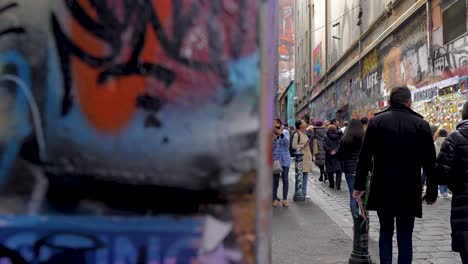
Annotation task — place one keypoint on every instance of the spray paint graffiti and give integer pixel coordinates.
(104, 60)
(13, 29)
(399, 59)
(141, 241)
(452, 59)
(291, 109)
(144, 97)
(317, 62)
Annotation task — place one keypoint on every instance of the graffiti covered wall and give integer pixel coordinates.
(291, 109)
(106, 108)
(400, 59)
(317, 63)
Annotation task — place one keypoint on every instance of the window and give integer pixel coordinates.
(454, 20)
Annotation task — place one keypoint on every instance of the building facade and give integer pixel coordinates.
(303, 79)
(360, 49)
(285, 45)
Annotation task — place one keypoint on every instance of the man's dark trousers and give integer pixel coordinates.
(404, 226)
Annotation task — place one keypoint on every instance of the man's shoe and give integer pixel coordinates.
(285, 203)
(320, 179)
(338, 188)
(331, 186)
(275, 203)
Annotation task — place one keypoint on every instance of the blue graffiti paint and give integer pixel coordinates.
(120, 240)
(21, 111)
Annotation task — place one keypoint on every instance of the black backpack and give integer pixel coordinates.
(291, 150)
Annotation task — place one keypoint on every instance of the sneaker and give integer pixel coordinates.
(307, 197)
(444, 195)
(285, 203)
(275, 203)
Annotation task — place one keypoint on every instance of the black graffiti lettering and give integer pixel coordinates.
(137, 15)
(10, 30)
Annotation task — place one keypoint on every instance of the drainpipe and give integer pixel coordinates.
(429, 36)
(326, 42)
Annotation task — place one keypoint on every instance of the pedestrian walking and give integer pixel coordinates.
(310, 134)
(319, 139)
(452, 169)
(300, 140)
(434, 129)
(332, 163)
(281, 154)
(399, 143)
(439, 138)
(348, 153)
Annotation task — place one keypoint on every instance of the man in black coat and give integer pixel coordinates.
(399, 143)
(452, 168)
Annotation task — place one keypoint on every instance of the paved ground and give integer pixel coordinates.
(431, 238)
(304, 234)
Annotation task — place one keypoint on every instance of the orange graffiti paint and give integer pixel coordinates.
(109, 106)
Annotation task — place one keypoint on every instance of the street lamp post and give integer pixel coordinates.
(360, 252)
(299, 196)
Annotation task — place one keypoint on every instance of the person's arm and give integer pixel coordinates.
(283, 140)
(326, 145)
(429, 159)
(296, 144)
(286, 133)
(365, 160)
(445, 162)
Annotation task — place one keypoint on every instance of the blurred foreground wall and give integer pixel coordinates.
(129, 131)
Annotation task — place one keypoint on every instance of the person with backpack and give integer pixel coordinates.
(452, 170)
(300, 140)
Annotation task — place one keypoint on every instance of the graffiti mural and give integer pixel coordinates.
(400, 59)
(291, 109)
(125, 109)
(317, 63)
(452, 59)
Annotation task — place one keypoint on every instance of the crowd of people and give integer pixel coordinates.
(396, 158)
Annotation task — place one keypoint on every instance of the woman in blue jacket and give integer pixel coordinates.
(281, 154)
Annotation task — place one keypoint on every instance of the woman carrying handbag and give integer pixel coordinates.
(281, 163)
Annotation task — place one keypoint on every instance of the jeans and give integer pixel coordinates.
(443, 189)
(350, 182)
(464, 257)
(404, 226)
(304, 183)
(285, 180)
